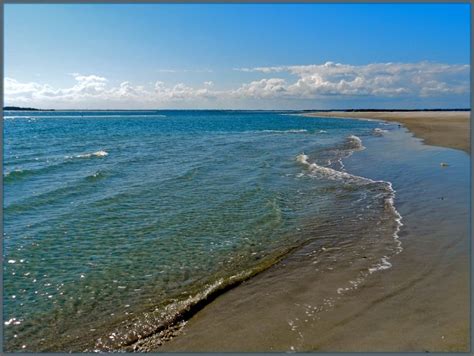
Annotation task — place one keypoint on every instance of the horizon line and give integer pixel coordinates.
(16, 108)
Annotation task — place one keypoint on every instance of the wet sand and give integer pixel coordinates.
(421, 304)
(439, 128)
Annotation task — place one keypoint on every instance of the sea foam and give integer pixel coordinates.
(330, 173)
(354, 143)
(93, 154)
(286, 131)
(378, 131)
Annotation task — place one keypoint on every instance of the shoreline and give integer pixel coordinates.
(437, 128)
(277, 304)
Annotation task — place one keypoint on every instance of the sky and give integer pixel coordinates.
(237, 56)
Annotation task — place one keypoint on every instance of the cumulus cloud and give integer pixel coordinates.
(304, 82)
(94, 88)
(183, 92)
(379, 79)
(265, 88)
(13, 87)
(85, 87)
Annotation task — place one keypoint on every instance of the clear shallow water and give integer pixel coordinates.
(117, 223)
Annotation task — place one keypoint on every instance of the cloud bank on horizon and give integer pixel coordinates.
(427, 84)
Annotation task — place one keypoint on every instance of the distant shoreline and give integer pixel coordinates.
(18, 108)
(450, 128)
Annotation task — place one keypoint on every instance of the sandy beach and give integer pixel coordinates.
(439, 128)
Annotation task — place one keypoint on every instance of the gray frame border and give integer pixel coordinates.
(269, 2)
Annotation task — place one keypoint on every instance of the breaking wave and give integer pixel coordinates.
(378, 131)
(89, 155)
(285, 131)
(354, 143)
(388, 193)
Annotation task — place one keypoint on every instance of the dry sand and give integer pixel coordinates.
(439, 128)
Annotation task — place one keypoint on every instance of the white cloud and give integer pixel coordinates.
(93, 88)
(326, 81)
(183, 92)
(13, 87)
(378, 79)
(265, 88)
(85, 87)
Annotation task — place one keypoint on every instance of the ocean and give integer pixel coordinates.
(119, 225)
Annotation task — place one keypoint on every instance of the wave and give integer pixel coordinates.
(15, 174)
(30, 118)
(384, 264)
(354, 143)
(57, 194)
(328, 172)
(388, 194)
(96, 176)
(390, 202)
(285, 131)
(18, 174)
(89, 155)
(382, 190)
(378, 131)
(351, 144)
(173, 317)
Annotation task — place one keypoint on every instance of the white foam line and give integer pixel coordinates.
(378, 130)
(334, 174)
(357, 141)
(285, 131)
(100, 153)
(384, 261)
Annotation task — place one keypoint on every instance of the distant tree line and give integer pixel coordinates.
(12, 108)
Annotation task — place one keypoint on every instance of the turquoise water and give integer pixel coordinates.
(118, 222)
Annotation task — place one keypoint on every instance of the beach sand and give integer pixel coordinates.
(439, 128)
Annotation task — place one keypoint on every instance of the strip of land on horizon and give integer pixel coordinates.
(439, 128)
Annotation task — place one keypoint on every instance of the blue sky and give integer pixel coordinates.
(237, 56)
